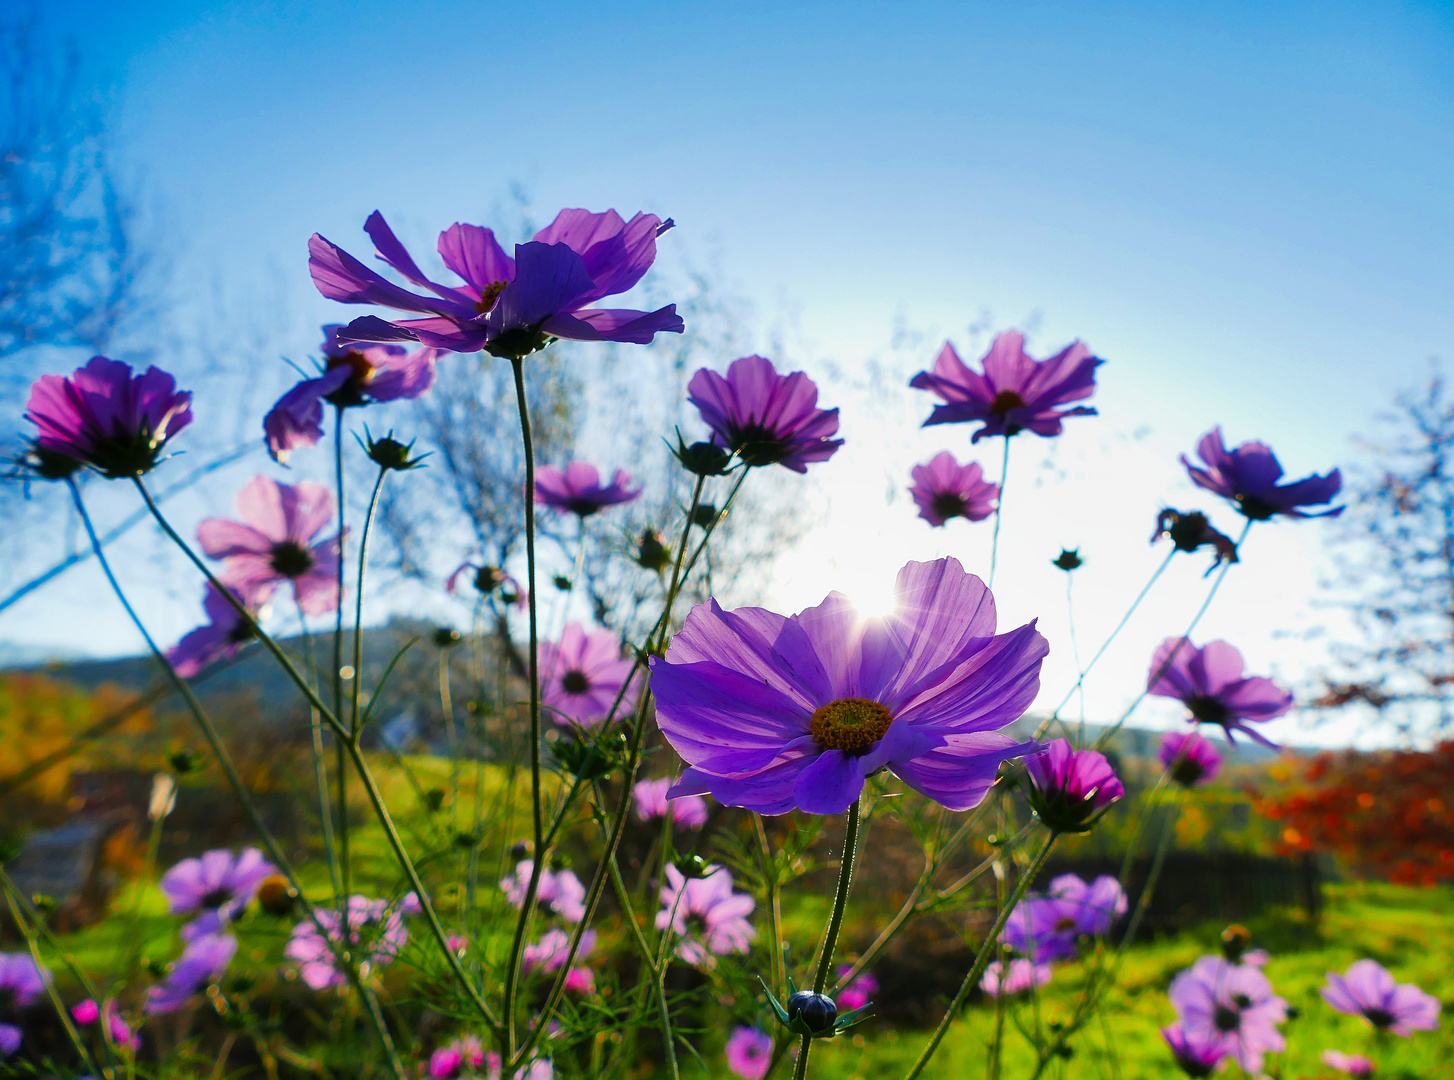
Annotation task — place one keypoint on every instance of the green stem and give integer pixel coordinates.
(999, 508)
(320, 769)
(344, 859)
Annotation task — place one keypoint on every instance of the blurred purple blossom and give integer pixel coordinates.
(1191, 756)
(577, 489)
(1232, 1002)
(217, 884)
(688, 811)
(706, 913)
(944, 489)
(376, 933)
(582, 674)
(219, 638)
(857, 993)
(1248, 475)
(22, 983)
(749, 1052)
(559, 893)
(1352, 1064)
(1198, 1055)
(1022, 974)
(205, 958)
(1210, 682)
(1368, 990)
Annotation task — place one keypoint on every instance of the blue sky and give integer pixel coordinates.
(1243, 208)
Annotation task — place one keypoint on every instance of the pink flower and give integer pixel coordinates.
(689, 811)
(376, 933)
(749, 1052)
(560, 894)
(582, 674)
(1071, 789)
(87, 1012)
(1352, 1064)
(1368, 990)
(449, 1062)
(709, 916)
(225, 632)
(857, 993)
(549, 953)
(945, 489)
(1233, 1003)
(1022, 975)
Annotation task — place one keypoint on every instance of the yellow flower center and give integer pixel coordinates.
(487, 298)
(850, 724)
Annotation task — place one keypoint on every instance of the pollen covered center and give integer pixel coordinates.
(850, 724)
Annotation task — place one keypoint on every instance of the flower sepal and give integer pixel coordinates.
(702, 458)
(589, 757)
(813, 1015)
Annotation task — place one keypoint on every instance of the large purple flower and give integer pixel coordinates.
(582, 674)
(763, 417)
(508, 307)
(1210, 682)
(376, 933)
(1231, 1002)
(1368, 990)
(1248, 477)
(1191, 757)
(1071, 789)
(710, 918)
(218, 885)
(1015, 393)
(945, 489)
(774, 712)
(21, 982)
(1197, 1055)
(205, 958)
(577, 489)
(106, 417)
(226, 631)
(1046, 928)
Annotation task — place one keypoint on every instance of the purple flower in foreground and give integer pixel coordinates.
(21, 983)
(1352, 1064)
(1231, 1002)
(1248, 475)
(749, 1052)
(1015, 393)
(508, 307)
(1197, 1055)
(1046, 928)
(688, 811)
(582, 674)
(277, 541)
(1071, 789)
(559, 893)
(944, 489)
(763, 417)
(857, 993)
(1022, 975)
(1188, 532)
(577, 489)
(775, 712)
(225, 632)
(1191, 757)
(1209, 681)
(106, 417)
(218, 885)
(205, 958)
(1368, 990)
(376, 933)
(706, 913)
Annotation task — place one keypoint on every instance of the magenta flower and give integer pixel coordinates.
(22, 983)
(218, 885)
(1352, 1064)
(1015, 393)
(376, 933)
(578, 489)
(351, 376)
(277, 541)
(688, 811)
(1248, 475)
(945, 489)
(119, 1029)
(749, 1052)
(857, 993)
(582, 674)
(106, 417)
(549, 953)
(87, 1012)
(1368, 990)
(205, 958)
(539, 1069)
(763, 417)
(508, 307)
(559, 893)
(1191, 757)
(1197, 1055)
(225, 632)
(774, 712)
(1071, 789)
(449, 1062)
(1209, 681)
(1022, 975)
(707, 914)
(1231, 1002)
(1046, 928)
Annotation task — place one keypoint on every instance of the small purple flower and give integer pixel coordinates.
(218, 885)
(774, 712)
(106, 417)
(749, 1052)
(1015, 393)
(1248, 475)
(1368, 990)
(688, 811)
(582, 674)
(1071, 788)
(372, 924)
(1191, 757)
(277, 541)
(1022, 975)
(225, 632)
(1209, 681)
(1094, 907)
(1046, 928)
(21, 983)
(763, 417)
(1197, 1055)
(1231, 1002)
(1188, 532)
(707, 914)
(577, 489)
(945, 489)
(508, 307)
(205, 958)
(559, 893)
(449, 1062)
(549, 953)
(1352, 1064)
(858, 993)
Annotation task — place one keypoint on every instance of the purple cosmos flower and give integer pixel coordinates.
(218, 885)
(1197, 1055)
(578, 489)
(1232, 1002)
(549, 953)
(21, 982)
(763, 417)
(1015, 393)
(559, 893)
(1368, 990)
(749, 1052)
(1210, 683)
(277, 541)
(775, 712)
(1046, 928)
(1248, 475)
(1071, 788)
(225, 632)
(857, 993)
(371, 923)
(689, 811)
(1022, 975)
(205, 958)
(945, 489)
(707, 914)
(1191, 757)
(508, 307)
(1352, 1064)
(582, 674)
(103, 415)
(1188, 532)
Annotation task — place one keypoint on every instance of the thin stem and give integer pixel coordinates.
(320, 768)
(1075, 650)
(344, 861)
(363, 559)
(999, 509)
(446, 706)
(774, 899)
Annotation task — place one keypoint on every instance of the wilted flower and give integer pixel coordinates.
(103, 415)
(577, 489)
(1209, 681)
(1071, 789)
(706, 913)
(1022, 975)
(376, 933)
(1015, 393)
(218, 884)
(775, 712)
(559, 893)
(1248, 475)
(689, 811)
(1188, 532)
(944, 489)
(1234, 1003)
(749, 1052)
(1197, 1055)
(763, 417)
(1352, 1064)
(582, 674)
(1368, 990)
(21, 982)
(205, 958)
(858, 993)
(1191, 757)
(1046, 928)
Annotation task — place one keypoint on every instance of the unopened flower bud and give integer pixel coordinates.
(185, 761)
(163, 797)
(276, 896)
(651, 553)
(704, 515)
(40, 463)
(702, 458)
(561, 582)
(390, 453)
(446, 637)
(1235, 940)
(815, 1012)
(1069, 559)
